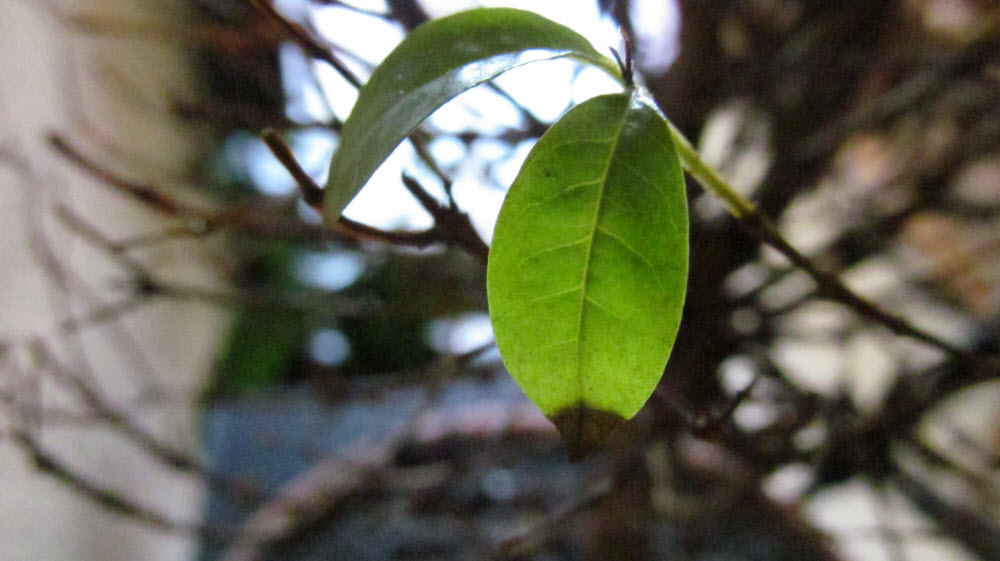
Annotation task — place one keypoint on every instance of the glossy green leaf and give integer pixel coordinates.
(435, 63)
(588, 267)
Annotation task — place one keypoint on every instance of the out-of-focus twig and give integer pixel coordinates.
(829, 285)
(243, 220)
(106, 497)
(451, 224)
(549, 527)
(146, 286)
(311, 45)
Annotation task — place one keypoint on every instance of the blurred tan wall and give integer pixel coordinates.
(108, 95)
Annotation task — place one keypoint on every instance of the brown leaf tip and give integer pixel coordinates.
(584, 429)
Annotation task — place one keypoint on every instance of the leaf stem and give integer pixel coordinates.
(710, 179)
(829, 285)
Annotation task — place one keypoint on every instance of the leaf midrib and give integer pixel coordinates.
(590, 247)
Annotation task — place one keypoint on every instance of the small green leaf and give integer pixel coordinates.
(435, 63)
(588, 268)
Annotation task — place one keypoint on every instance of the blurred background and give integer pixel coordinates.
(192, 367)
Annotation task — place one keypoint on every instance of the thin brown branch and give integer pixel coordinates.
(420, 239)
(312, 194)
(309, 43)
(974, 531)
(305, 499)
(240, 219)
(749, 217)
(320, 490)
(106, 497)
(166, 235)
(105, 412)
(143, 193)
(90, 234)
(109, 414)
(454, 224)
(145, 286)
(64, 285)
(976, 480)
(419, 142)
(100, 315)
(549, 527)
(239, 115)
(831, 287)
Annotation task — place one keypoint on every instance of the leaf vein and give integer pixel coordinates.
(626, 245)
(642, 176)
(551, 249)
(561, 192)
(603, 308)
(609, 141)
(558, 294)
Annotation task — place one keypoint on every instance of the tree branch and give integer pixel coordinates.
(830, 286)
(309, 43)
(451, 225)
